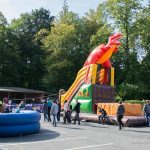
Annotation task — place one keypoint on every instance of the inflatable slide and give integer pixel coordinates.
(88, 74)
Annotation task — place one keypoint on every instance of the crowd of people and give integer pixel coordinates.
(5, 106)
(120, 114)
(54, 108)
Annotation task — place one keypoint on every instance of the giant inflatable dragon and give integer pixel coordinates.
(102, 53)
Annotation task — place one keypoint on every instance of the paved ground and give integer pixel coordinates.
(87, 136)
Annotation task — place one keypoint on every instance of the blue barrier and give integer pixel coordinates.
(23, 123)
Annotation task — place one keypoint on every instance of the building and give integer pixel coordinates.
(16, 93)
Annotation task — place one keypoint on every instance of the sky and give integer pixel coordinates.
(13, 8)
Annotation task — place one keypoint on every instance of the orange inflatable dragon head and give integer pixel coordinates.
(114, 40)
(102, 53)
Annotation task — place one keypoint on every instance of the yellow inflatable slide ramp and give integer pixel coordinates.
(86, 75)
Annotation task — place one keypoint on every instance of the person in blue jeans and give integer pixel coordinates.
(146, 110)
(49, 104)
(102, 116)
(54, 111)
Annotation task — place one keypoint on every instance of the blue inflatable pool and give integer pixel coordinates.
(23, 123)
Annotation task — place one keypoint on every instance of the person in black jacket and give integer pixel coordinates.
(77, 112)
(120, 114)
(45, 110)
(59, 110)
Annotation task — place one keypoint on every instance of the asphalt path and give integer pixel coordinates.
(87, 136)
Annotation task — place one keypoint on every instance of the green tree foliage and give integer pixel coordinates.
(143, 36)
(3, 20)
(31, 54)
(69, 44)
(59, 46)
(124, 15)
(9, 57)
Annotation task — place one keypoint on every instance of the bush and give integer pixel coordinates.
(118, 98)
(135, 101)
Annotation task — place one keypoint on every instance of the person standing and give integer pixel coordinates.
(45, 111)
(77, 112)
(1, 108)
(59, 110)
(5, 107)
(69, 113)
(146, 110)
(66, 112)
(120, 114)
(22, 105)
(54, 111)
(49, 103)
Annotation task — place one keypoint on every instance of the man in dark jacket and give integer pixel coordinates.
(146, 110)
(120, 114)
(59, 110)
(77, 112)
(45, 111)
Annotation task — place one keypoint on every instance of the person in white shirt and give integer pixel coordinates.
(66, 112)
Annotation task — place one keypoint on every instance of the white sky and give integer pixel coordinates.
(13, 8)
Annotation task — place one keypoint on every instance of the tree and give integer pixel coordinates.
(9, 57)
(3, 20)
(59, 46)
(124, 15)
(69, 43)
(31, 54)
(143, 36)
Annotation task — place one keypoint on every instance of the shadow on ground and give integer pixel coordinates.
(42, 135)
(92, 125)
(138, 131)
(70, 126)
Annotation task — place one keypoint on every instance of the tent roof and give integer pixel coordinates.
(20, 90)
